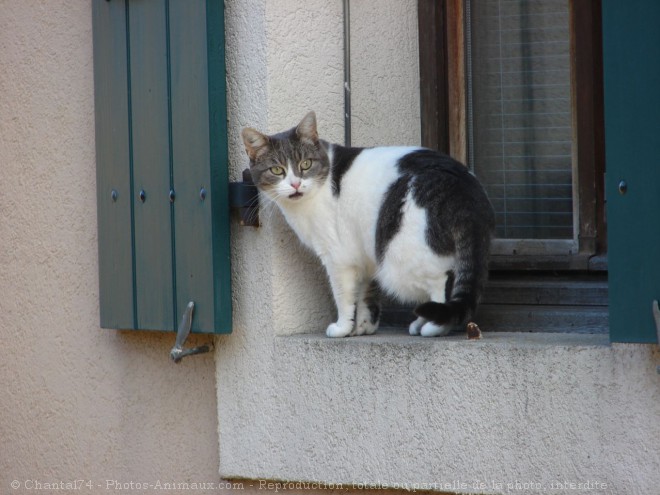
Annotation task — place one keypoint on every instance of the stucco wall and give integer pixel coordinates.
(513, 410)
(519, 413)
(77, 401)
(384, 73)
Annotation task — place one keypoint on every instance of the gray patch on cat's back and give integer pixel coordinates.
(342, 159)
(390, 214)
(457, 207)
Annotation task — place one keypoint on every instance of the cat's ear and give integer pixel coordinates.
(306, 130)
(256, 144)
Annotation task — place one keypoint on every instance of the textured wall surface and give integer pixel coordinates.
(537, 409)
(384, 73)
(77, 401)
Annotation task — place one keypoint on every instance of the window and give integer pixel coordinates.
(161, 152)
(513, 88)
(519, 132)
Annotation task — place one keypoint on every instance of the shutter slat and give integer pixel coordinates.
(151, 164)
(113, 166)
(631, 50)
(191, 148)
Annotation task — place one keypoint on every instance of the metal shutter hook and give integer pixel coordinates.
(178, 352)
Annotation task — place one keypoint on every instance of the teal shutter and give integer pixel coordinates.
(631, 65)
(162, 181)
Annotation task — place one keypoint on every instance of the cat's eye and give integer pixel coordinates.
(306, 164)
(277, 170)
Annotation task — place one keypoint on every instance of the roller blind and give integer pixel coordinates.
(519, 114)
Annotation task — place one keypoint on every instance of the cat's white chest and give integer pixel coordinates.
(314, 221)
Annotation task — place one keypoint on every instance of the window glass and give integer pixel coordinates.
(519, 114)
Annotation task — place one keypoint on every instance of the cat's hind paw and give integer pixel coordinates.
(416, 326)
(430, 329)
(336, 330)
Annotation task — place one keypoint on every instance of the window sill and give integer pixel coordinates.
(532, 302)
(510, 340)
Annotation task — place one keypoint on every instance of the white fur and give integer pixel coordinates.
(341, 230)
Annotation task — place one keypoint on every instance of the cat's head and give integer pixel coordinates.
(290, 166)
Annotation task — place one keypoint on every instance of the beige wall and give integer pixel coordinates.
(77, 401)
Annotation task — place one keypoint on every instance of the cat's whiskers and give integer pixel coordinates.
(253, 215)
(269, 206)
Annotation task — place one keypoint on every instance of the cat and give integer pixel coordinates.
(406, 220)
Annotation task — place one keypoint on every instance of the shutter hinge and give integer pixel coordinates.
(245, 197)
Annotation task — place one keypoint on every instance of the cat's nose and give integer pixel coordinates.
(295, 185)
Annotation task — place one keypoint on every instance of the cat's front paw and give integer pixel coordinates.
(337, 330)
(365, 327)
(366, 319)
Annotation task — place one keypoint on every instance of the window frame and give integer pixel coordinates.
(525, 272)
(443, 110)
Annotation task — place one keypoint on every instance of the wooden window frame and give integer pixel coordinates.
(535, 286)
(443, 102)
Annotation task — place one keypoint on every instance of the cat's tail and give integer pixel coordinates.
(463, 290)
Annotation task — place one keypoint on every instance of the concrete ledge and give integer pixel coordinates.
(400, 337)
(393, 409)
